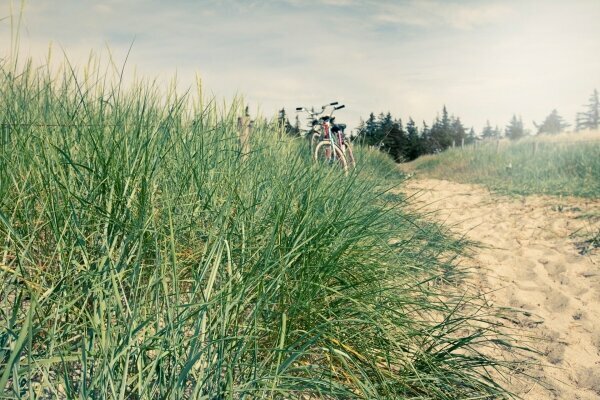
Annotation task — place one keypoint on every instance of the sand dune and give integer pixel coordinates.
(532, 257)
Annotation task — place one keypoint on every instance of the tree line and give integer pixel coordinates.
(406, 142)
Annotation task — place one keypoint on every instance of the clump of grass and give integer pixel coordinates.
(554, 166)
(141, 257)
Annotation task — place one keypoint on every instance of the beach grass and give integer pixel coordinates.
(142, 255)
(561, 165)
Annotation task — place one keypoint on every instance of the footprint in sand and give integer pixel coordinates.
(556, 353)
(596, 339)
(552, 348)
(589, 378)
(525, 269)
(556, 301)
(516, 300)
(501, 256)
(554, 268)
(572, 257)
(563, 279)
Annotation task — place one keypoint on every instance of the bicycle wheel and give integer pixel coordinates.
(314, 139)
(350, 156)
(325, 155)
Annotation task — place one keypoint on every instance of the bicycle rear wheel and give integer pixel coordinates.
(350, 156)
(327, 153)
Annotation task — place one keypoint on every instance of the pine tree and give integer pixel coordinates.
(435, 136)
(497, 132)
(283, 123)
(445, 119)
(441, 132)
(426, 141)
(471, 136)
(361, 129)
(383, 125)
(553, 124)
(282, 117)
(589, 119)
(395, 141)
(389, 135)
(370, 130)
(296, 129)
(514, 130)
(580, 122)
(594, 110)
(488, 132)
(458, 131)
(386, 122)
(414, 147)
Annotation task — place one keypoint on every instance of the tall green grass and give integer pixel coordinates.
(142, 257)
(566, 166)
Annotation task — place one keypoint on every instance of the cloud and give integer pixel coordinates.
(408, 57)
(442, 14)
(343, 3)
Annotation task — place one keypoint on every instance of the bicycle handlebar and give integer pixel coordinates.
(323, 108)
(314, 115)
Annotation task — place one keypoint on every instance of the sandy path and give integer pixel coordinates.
(528, 259)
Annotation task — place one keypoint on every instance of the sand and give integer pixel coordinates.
(531, 256)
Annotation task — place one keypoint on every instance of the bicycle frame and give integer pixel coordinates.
(333, 140)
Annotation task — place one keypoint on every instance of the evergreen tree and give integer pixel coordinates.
(471, 137)
(383, 126)
(553, 124)
(386, 122)
(395, 141)
(414, 147)
(283, 123)
(407, 144)
(589, 119)
(497, 132)
(514, 130)
(441, 132)
(435, 134)
(361, 129)
(458, 131)
(445, 119)
(488, 132)
(580, 121)
(282, 118)
(426, 141)
(370, 130)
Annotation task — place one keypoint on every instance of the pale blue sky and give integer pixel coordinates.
(483, 59)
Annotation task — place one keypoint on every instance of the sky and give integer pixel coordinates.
(483, 60)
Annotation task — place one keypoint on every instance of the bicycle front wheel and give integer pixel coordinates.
(314, 139)
(327, 153)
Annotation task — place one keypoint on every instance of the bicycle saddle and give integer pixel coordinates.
(338, 127)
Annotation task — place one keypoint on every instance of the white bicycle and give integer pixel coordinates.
(329, 144)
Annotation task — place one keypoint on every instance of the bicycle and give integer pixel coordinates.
(328, 142)
(314, 126)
